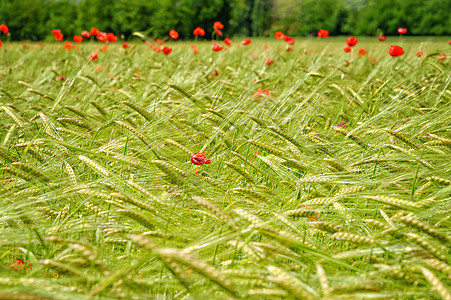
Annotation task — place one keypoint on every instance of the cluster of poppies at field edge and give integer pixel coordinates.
(158, 45)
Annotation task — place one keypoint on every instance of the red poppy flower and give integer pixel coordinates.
(288, 49)
(111, 37)
(4, 28)
(419, 54)
(62, 78)
(174, 34)
(94, 31)
(58, 35)
(289, 40)
(215, 73)
(396, 50)
(382, 38)
(216, 47)
(218, 25)
(402, 30)
(166, 50)
(199, 31)
(228, 41)
(199, 159)
(102, 37)
(159, 41)
(93, 56)
(78, 39)
(323, 33)
(246, 42)
(86, 34)
(351, 41)
(449, 42)
(0, 44)
(441, 57)
(268, 61)
(125, 45)
(279, 35)
(347, 48)
(362, 52)
(68, 45)
(260, 92)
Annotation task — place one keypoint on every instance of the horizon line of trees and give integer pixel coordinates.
(35, 19)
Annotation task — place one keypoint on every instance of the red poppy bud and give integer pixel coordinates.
(215, 73)
(396, 50)
(351, 41)
(279, 35)
(173, 34)
(228, 41)
(216, 47)
(78, 39)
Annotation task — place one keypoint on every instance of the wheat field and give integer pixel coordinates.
(333, 184)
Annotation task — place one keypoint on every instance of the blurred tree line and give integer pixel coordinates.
(34, 19)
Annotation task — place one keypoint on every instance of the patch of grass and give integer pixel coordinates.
(99, 198)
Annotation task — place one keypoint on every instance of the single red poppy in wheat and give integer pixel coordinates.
(125, 45)
(347, 48)
(362, 52)
(174, 34)
(268, 61)
(199, 31)
(323, 33)
(57, 34)
(228, 41)
(216, 47)
(279, 35)
(257, 94)
(68, 45)
(215, 73)
(382, 38)
(402, 30)
(4, 28)
(166, 50)
(93, 56)
(289, 40)
(395, 50)
(351, 41)
(199, 159)
(158, 41)
(94, 31)
(78, 39)
(86, 34)
(419, 53)
(441, 57)
(194, 48)
(246, 42)
(111, 37)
